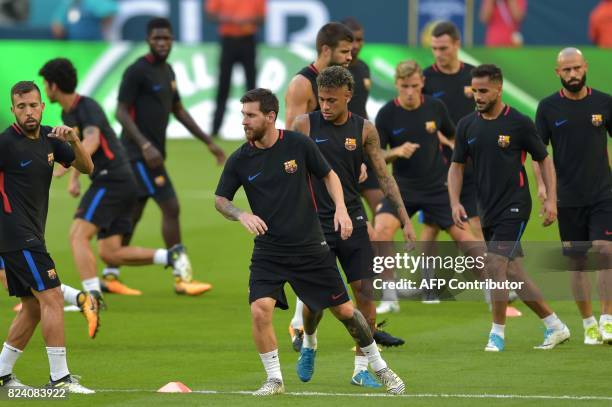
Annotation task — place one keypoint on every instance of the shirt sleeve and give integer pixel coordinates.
(461, 151)
(62, 152)
(315, 162)
(366, 71)
(447, 127)
(531, 142)
(383, 131)
(176, 97)
(542, 124)
(130, 86)
(92, 115)
(229, 182)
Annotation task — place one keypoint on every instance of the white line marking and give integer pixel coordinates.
(105, 62)
(417, 395)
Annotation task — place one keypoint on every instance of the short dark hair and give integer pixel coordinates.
(61, 72)
(23, 87)
(493, 72)
(446, 28)
(331, 34)
(158, 22)
(334, 77)
(268, 102)
(352, 23)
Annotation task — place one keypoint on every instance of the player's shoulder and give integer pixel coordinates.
(551, 99)
(89, 104)
(516, 116)
(388, 107)
(467, 120)
(429, 71)
(467, 67)
(138, 65)
(597, 94)
(435, 103)
(294, 137)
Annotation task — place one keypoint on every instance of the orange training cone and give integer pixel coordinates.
(174, 387)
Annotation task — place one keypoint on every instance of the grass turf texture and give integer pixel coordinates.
(145, 342)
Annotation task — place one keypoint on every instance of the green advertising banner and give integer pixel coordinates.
(529, 74)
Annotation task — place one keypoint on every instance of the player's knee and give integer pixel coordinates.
(171, 209)
(384, 232)
(261, 314)
(343, 311)
(79, 236)
(108, 255)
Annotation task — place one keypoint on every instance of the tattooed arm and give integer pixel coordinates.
(253, 223)
(371, 145)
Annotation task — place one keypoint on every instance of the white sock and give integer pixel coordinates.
(498, 329)
(161, 257)
(552, 322)
(57, 362)
(8, 357)
(114, 271)
(361, 364)
(271, 363)
(92, 284)
(389, 294)
(70, 294)
(310, 341)
(605, 318)
(298, 319)
(373, 355)
(586, 322)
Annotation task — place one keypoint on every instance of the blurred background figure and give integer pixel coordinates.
(13, 11)
(600, 24)
(503, 19)
(84, 20)
(238, 22)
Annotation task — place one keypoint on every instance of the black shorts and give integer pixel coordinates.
(153, 183)
(315, 279)
(436, 213)
(579, 226)
(504, 238)
(29, 269)
(355, 254)
(371, 182)
(109, 207)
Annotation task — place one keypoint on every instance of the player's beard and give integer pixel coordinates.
(256, 134)
(574, 87)
(30, 127)
(486, 108)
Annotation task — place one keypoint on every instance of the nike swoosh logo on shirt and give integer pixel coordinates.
(397, 131)
(470, 141)
(252, 177)
(321, 140)
(25, 163)
(559, 123)
(438, 94)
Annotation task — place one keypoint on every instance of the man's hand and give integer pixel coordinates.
(459, 216)
(409, 235)
(64, 133)
(343, 222)
(253, 223)
(217, 152)
(59, 171)
(542, 192)
(152, 156)
(405, 150)
(363, 175)
(549, 212)
(74, 188)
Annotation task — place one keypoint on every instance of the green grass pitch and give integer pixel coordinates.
(205, 342)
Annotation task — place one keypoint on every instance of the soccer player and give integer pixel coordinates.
(28, 152)
(274, 167)
(497, 138)
(334, 45)
(449, 80)
(370, 188)
(104, 210)
(345, 140)
(577, 120)
(147, 96)
(409, 125)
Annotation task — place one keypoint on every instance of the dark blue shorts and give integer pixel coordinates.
(29, 269)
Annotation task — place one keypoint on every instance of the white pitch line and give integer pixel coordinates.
(417, 395)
